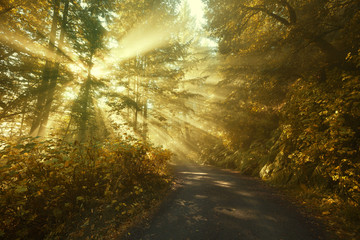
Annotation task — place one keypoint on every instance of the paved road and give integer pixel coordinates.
(217, 204)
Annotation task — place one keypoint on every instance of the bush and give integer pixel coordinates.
(49, 188)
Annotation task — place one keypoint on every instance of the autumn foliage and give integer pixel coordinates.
(54, 189)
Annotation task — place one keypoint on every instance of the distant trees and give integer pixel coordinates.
(151, 78)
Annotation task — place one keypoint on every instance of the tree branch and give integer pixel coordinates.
(6, 10)
(269, 13)
(291, 10)
(2, 104)
(3, 115)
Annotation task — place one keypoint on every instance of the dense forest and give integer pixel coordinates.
(89, 89)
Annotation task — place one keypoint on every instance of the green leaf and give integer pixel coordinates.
(57, 212)
(80, 198)
(21, 189)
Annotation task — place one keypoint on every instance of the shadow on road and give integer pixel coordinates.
(210, 203)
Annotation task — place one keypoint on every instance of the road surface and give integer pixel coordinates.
(211, 203)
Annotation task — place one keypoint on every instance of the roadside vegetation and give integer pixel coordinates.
(57, 190)
(290, 104)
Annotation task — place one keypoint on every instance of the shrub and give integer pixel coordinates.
(49, 187)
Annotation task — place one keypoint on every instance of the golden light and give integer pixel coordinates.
(147, 36)
(76, 68)
(99, 71)
(69, 94)
(26, 45)
(120, 89)
(197, 10)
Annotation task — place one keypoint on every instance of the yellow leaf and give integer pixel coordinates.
(86, 223)
(80, 198)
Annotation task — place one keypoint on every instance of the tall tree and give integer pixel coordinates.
(55, 72)
(22, 54)
(47, 72)
(87, 33)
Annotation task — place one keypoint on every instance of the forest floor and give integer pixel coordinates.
(210, 203)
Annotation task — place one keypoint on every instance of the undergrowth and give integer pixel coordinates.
(58, 190)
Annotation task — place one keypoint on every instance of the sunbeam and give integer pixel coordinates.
(145, 37)
(26, 45)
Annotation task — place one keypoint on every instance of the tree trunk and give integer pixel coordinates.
(136, 82)
(128, 94)
(84, 109)
(22, 120)
(146, 90)
(44, 87)
(145, 123)
(54, 75)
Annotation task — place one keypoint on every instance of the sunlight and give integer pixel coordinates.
(195, 123)
(223, 184)
(101, 103)
(76, 68)
(113, 85)
(237, 213)
(141, 39)
(25, 45)
(99, 71)
(8, 129)
(208, 42)
(244, 194)
(120, 89)
(194, 173)
(69, 94)
(149, 35)
(197, 10)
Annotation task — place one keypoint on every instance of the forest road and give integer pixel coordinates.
(211, 203)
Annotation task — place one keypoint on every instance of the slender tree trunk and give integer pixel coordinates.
(67, 128)
(85, 105)
(22, 119)
(42, 90)
(23, 113)
(145, 123)
(84, 111)
(128, 94)
(54, 75)
(40, 100)
(136, 107)
(146, 90)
